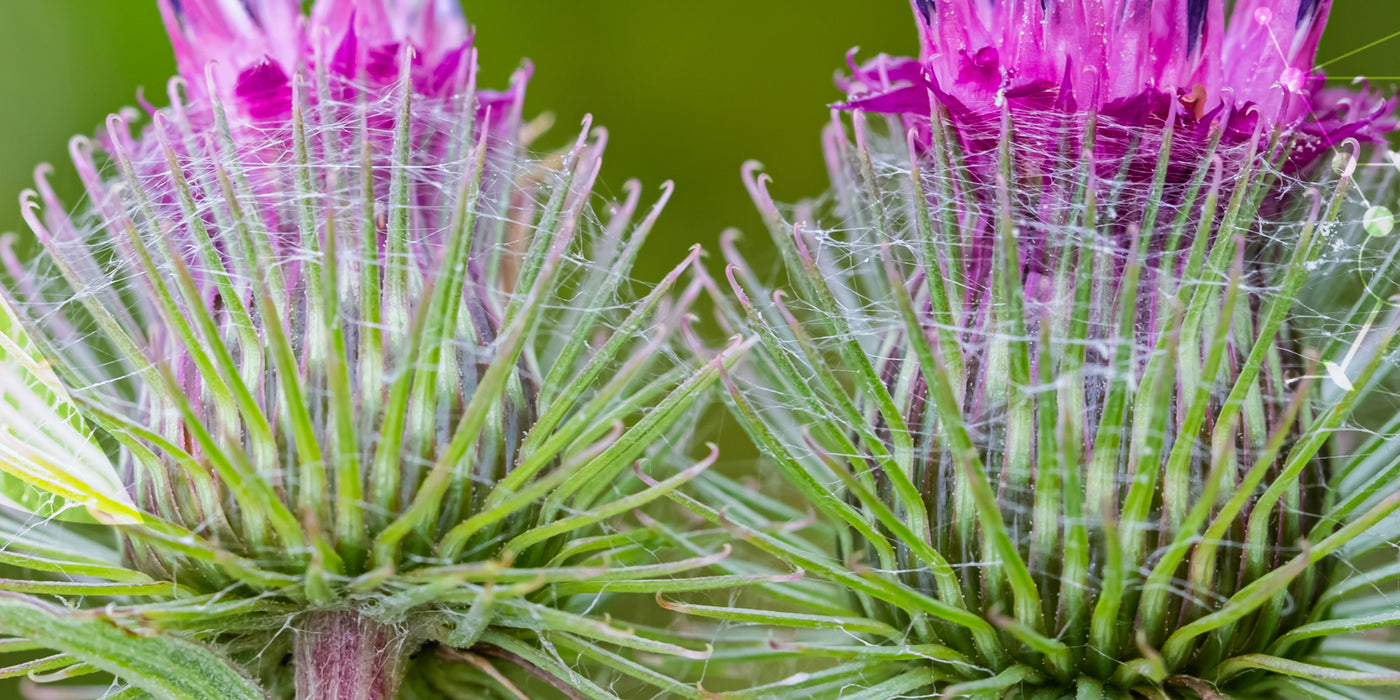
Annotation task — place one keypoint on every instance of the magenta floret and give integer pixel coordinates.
(252, 49)
(1133, 62)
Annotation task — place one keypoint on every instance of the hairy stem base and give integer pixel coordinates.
(342, 655)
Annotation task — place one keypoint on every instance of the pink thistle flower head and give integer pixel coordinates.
(325, 331)
(252, 49)
(1132, 61)
(1066, 346)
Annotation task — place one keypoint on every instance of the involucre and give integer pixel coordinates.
(1071, 360)
(348, 384)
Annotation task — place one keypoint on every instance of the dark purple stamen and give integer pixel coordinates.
(1306, 9)
(1195, 23)
(987, 55)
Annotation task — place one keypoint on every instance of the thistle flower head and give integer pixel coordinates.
(334, 353)
(1068, 370)
(253, 49)
(1246, 65)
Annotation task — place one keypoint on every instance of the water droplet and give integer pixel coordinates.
(1379, 221)
(1292, 79)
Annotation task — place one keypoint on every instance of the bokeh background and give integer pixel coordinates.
(689, 90)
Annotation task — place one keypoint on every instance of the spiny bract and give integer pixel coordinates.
(1075, 377)
(347, 372)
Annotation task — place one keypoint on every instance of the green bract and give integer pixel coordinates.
(362, 385)
(1079, 383)
(1070, 432)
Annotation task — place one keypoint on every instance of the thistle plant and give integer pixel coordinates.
(331, 388)
(1072, 366)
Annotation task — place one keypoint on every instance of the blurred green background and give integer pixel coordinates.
(688, 90)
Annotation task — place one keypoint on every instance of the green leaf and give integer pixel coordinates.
(1309, 689)
(800, 620)
(158, 589)
(166, 666)
(46, 448)
(642, 672)
(47, 663)
(548, 664)
(1328, 628)
(1006, 679)
(1298, 669)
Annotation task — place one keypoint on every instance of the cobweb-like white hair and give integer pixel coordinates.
(376, 366)
(1071, 421)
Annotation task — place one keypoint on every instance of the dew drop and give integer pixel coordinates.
(1292, 79)
(1379, 221)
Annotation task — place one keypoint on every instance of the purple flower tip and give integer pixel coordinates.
(1135, 61)
(254, 47)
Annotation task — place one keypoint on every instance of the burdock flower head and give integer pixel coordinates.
(1073, 376)
(357, 380)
